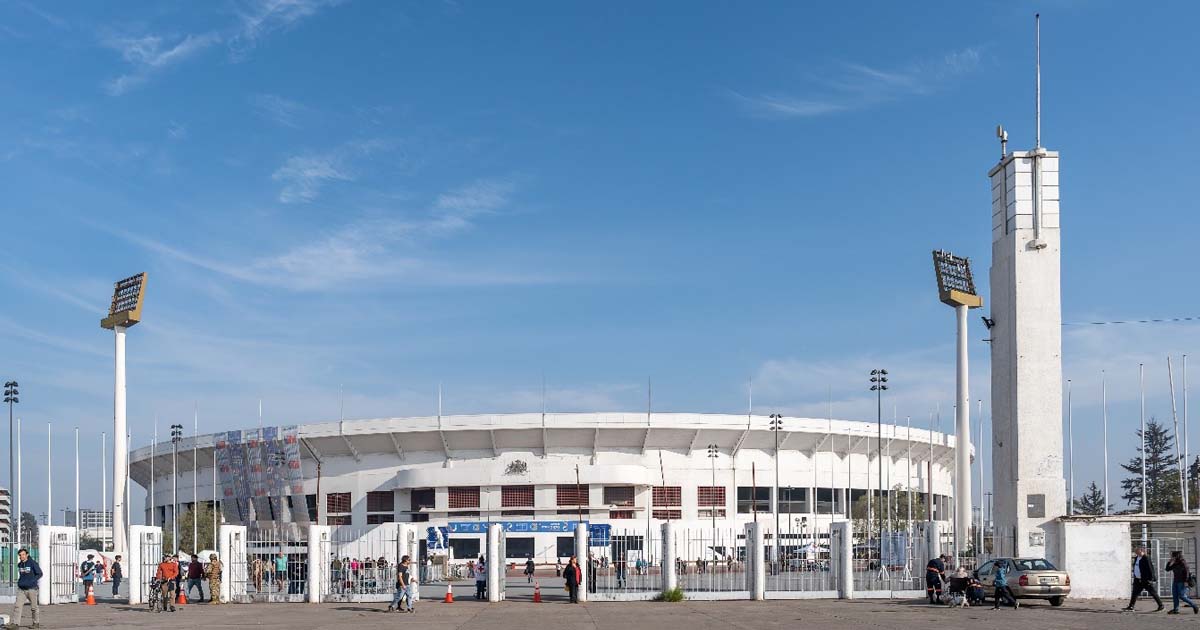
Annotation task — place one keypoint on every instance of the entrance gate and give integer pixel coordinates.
(64, 554)
(151, 553)
(274, 568)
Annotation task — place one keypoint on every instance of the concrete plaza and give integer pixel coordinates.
(691, 615)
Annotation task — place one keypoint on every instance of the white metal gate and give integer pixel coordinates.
(275, 567)
(63, 556)
(362, 563)
(151, 554)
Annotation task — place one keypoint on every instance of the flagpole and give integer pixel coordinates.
(1104, 409)
(104, 486)
(1070, 451)
(77, 477)
(195, 479)
(49, 480)
(153, 520)
(1142, 447)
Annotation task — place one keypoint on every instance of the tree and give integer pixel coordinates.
(87, 542)
(29, 529)
(1092, 501)
(899, 510)
(1162, 474)
(204, 523)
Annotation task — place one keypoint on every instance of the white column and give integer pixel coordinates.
(495, 564)
(962, 446)
(145, 550)
(234, 563)
(670, 578)
(581, 550)
(120, 449)
(58, 556)
(318, 561)
(841, 555)
(756, 568)
(44, 537)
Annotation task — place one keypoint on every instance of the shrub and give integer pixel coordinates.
(673, 595)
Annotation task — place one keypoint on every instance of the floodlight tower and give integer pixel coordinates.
(1026, 296)
(125, 311)
(956, 287)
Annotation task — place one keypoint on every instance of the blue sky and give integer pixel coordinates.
(385, 196)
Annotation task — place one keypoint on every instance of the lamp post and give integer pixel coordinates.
(14, 539)
(176, 438)
(776, 427)
(124, 311)
(712, 458)
(878, 385)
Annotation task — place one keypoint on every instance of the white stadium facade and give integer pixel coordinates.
(539, 474)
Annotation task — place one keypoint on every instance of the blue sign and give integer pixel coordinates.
(437, 537)
(598, 534)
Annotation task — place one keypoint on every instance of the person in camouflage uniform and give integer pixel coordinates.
(214, 578)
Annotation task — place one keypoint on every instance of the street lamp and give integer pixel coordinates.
(879, 385)
(10, 397)
(124, 311)
(776, 427)
(712, 458)
(176, 438)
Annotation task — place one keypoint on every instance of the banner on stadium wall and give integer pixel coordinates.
(599, 534)
(257, 471)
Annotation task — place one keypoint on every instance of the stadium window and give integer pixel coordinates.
(462, 497)
(421, 499)
(793, 501)
(516, 496)
(337, 503)
(829, 501)
(708, 513)
(340, 519)
(619, 496)
(710, 496)
(614, 514)
(464, 547)
(376, 519)
(667, 515)
(667, 496)
(310, 501)
(381, 501)
(565, 547)
(760, 503)
(572, 494)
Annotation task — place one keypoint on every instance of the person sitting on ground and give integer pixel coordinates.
(958, 587)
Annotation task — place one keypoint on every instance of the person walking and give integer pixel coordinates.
(1000, 583)
(167, 577)
(621, 568)
(1180, 576)
(1143, 580)
(591, 569)
(118, 574)
(404, 587)
(195, 577)
(256, 571)
(214, 578)
(27, 584)
(529, 568)
(87, 572)
(558, 567)
(281, 570)
(573, 575)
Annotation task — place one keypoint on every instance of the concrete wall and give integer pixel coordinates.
(1096, 554)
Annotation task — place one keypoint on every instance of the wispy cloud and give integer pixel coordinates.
(258, 18)
(150, 54)
(277, 109)
(852, 86)
(303, 176)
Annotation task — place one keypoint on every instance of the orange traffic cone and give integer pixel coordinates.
(91, 597)
(182, 599)
(449, 595)
(537, 592)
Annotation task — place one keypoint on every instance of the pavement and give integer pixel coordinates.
(689, 615)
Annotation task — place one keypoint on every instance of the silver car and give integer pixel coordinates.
(1029, 578)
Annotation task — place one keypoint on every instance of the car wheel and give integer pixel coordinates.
(1056, 601)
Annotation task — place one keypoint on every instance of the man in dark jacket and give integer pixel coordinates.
(118, 573)
(195, 577)
(1143, 580)
(933, 579)
(27, 584)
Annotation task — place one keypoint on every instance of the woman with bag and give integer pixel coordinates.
(573, 575)
(1181, 576)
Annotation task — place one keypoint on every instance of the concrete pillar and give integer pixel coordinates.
(495, 563)
(231, 545)
(145, 551)
(756, 567)
(58, 555)
(318, 561)
(841, 547)
(581, 550)
(670, 576)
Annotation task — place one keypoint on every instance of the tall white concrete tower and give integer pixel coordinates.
(1026, 333)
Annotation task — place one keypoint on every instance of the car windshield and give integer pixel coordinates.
(1039, 564)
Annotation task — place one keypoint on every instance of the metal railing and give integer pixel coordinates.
(275, 568)
(804, 563)
(710, 560)
(362, 563)
(629, 563)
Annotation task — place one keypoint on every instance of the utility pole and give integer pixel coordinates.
(176, 438)
(776, 427)
(878, 385)
(11, 398)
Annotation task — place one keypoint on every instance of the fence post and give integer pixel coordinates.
(756, 566)
(670, 576)
(585, 562)
(841, 554)
(231, 545)
(135, 561)
(318, 561)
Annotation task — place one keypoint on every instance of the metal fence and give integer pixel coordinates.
(151, 549)
(64, 553)
(887, 563)
(710, 560)
(1159, 549)
(630, 563)
(362, 563)
(803, 563)
(275, 567)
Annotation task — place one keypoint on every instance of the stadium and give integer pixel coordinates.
(540, 474)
